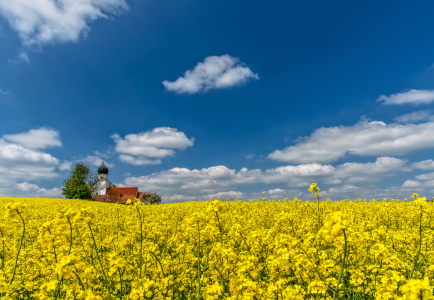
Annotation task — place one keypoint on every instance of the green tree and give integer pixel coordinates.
(111, 185)
(80, 184)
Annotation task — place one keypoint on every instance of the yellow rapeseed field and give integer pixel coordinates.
(286, 249)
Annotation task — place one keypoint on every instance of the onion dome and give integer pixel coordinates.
(102, 169)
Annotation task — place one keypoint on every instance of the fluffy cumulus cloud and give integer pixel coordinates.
(374, 138)
(427, 176)
(18, 163)
(40, 22)
(423, 181)
(415, 117)
(352, 192)
(25, 187)
(363, 172)
(194, 184)
(149, 147)
(36, 138)
(65, 165)
(33, 190)
(23, 160)
(411, 184)
(50, 193)
(424, 165)
(213, 73)
(408, 97)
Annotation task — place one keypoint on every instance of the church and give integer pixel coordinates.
(113, 195)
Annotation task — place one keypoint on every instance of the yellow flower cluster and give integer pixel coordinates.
(314, 189)
(261, 249)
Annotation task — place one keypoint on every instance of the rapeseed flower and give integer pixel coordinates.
(288, 249)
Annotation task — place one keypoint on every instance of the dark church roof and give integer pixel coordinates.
(102, 169)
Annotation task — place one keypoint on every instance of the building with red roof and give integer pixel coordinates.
(113, 195)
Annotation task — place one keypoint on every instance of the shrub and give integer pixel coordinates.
(150, 198)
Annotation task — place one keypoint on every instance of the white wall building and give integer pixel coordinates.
(103, 182)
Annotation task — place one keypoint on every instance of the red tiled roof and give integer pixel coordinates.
(126, 197)
(139, 194)
(125, 190)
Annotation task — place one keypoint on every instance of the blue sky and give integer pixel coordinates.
(201, 99)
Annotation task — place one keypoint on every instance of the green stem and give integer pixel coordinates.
(19, 249)
(198, 262)
(120, 279)
(159, 262)
(420, 246)
(99, 260)
(70, 242)
(3, 254)
(342, 267)
(221, 242)
(316, 269)
(141, 241)
(79, 281)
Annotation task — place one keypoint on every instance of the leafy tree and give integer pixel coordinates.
(150, 198)
(81, 183)
(111, 185)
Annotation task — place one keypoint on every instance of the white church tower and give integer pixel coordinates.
(103, 182)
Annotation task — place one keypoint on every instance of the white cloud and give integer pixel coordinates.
(41, 22)
(177, 198)
(138, 160)
(408, 97)
(36, 138)
(65, 165)
(96, 161)
(136, 149)
(220, 195)
(333, 181)
(411, 184)
(50, 193)
(361, 172)
(415, 117)
(250, 156)
(213, 73)
(17, 161)
(341, 190)
(107, 154)
(424, 165)
(427, 176)
(276, 191)
(208, 181)
(25, 187)
(223, 195)
(429, 183)
(364, 138)
(33, 190)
